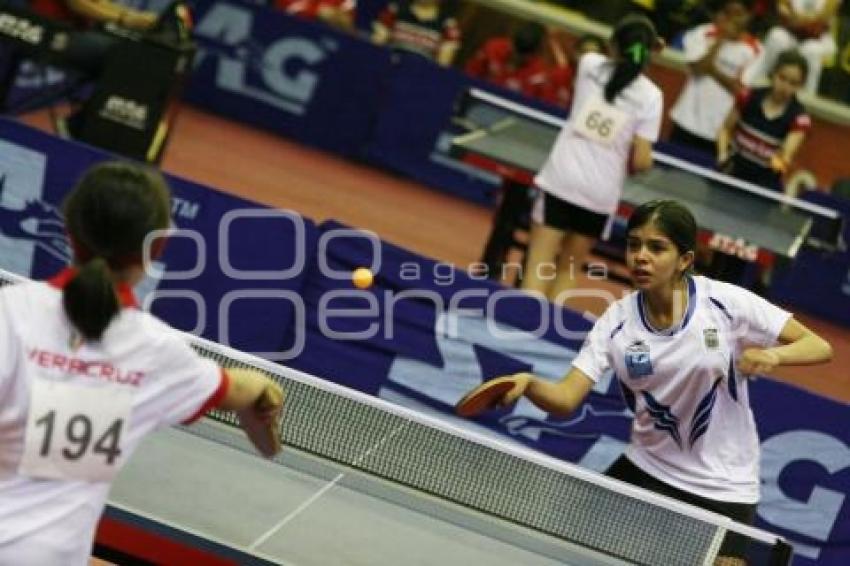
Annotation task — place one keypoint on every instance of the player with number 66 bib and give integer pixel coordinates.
(87, 375)
(616, 117)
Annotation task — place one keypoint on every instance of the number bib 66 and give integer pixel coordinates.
(75, 432)
(600, 122)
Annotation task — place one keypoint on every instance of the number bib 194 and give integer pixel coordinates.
(600, 122)
(75, 432)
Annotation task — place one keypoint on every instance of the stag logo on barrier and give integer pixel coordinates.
(27, 222)
(815, 515)
(280, 73)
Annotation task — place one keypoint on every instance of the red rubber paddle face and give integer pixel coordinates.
(482, 398)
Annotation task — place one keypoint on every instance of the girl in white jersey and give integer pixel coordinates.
(616, 116)
(681, 347)
(86, 375)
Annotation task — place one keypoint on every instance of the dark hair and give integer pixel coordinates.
(108, 215)
(791, 57)
(673, 219)
(634, 37)
(528, 37)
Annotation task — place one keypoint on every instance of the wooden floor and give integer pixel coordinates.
(276, 172)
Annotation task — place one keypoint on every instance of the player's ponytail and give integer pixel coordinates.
(634, 38)
(108, 215)
(90, 300)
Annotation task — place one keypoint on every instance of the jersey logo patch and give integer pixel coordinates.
(638, 361)
(712, 341)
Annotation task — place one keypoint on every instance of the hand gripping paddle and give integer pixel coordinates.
(483, 397)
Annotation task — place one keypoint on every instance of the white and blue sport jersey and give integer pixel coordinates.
(693, 427)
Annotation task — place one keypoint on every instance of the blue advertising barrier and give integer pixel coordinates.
(805, 469)
(301, 79)
(232, 271)
(819, 282)
(331, 90)
(417, 107)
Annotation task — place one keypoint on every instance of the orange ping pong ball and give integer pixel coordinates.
(362, 278)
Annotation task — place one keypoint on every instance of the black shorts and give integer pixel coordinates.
(562, 215)
(734, 544)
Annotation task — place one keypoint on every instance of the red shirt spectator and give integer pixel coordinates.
(317, 9)
(500, 62)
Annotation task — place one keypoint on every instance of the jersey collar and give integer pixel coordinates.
(126, 297)
(644, 318)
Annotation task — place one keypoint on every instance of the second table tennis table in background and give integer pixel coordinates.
(734, 217)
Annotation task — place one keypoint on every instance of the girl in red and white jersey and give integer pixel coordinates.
(616, 116)
(87, 374)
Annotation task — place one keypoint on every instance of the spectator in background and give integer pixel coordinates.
(805, 25)
(338, 13)
(718, 54)
(424, 27)
(767, 126)
(516, 63)
(758, 141)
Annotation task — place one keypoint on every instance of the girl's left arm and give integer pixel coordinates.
(800, 346)
(791, 145)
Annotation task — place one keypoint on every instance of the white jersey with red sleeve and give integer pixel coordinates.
(587, 164)
(73, 412)
(693, 427)
(703, 103)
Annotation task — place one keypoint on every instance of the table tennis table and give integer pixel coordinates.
(735, 217)
(199, 495)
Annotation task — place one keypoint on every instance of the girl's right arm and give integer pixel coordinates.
(556, 398)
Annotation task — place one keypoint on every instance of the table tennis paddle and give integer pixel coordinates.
(264, 433)
(483, 397)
